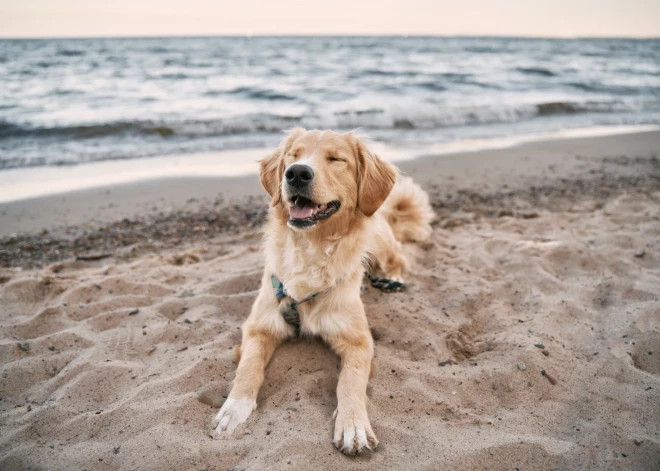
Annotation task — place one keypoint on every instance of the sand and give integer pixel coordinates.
(554, 244)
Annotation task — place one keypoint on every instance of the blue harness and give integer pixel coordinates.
(290, 313)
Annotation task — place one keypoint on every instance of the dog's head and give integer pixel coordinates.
(317, 176)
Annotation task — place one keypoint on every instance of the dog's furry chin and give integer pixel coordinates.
(302, 225)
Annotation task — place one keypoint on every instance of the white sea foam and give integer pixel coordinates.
(65, 102)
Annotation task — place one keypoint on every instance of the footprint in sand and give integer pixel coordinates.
(48, 321)
(29, 291)
(646, 356)
(122, 343)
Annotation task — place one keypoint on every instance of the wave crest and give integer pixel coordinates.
(427, 117)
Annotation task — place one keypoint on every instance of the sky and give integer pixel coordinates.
(553, 18)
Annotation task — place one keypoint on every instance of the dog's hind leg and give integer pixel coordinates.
(387, 252)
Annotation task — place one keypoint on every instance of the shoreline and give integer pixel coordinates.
(485, 170)
(18, 184)
(150, 216)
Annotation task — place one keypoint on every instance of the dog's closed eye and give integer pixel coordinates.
(335, 159)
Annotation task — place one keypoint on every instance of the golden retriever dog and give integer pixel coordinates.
(336, 209)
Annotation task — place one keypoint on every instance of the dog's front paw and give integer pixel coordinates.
(353, 434)
(233, 413)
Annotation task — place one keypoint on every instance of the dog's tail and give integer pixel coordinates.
(408, 211)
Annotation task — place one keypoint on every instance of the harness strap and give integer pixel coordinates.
(292, 316)
(290, 313)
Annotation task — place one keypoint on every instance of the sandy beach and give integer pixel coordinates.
(528, 338)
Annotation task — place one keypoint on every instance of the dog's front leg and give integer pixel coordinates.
(257, 349)
(353, 433)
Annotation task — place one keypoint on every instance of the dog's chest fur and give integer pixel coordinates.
(306, 267)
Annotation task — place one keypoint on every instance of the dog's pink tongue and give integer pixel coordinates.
(300, 212)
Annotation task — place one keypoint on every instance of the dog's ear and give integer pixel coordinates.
(271, 168)
(375, 179)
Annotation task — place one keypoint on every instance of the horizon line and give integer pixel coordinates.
(333, 35)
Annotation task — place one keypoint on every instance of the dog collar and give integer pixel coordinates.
(289, 311)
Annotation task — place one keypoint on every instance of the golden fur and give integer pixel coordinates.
(329, 258)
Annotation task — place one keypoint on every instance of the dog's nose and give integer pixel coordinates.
(299, 176)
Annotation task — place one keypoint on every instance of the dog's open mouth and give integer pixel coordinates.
(304, 212)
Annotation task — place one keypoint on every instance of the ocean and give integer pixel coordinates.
(69, 101)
